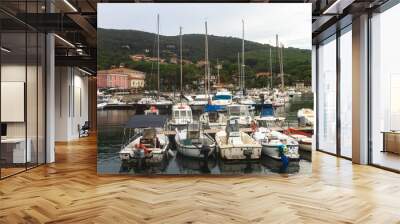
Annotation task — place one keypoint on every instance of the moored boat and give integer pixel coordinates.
(181, 115)
(148, 141)
(193, 142)
(234, 144)
(305, 117)
(277, 145)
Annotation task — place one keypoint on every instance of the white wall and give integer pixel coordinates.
(71, 102)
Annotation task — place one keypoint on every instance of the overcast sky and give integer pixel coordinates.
(292, 22)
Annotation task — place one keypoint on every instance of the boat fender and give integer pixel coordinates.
(284, 158)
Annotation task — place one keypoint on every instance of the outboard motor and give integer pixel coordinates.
(205, 150)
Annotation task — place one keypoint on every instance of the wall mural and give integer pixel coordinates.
(204, 88)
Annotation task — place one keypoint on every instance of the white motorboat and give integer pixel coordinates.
(234, 144)
(213, 119)
(241, 113)
(101, 105)
(161, 101)
(277, 145)
(222, 98)
(267, 117)
(148, 142)
(147, 101)
(305, 117)
(193, 142)
(249, 102)
(181, 115)
(199, 102)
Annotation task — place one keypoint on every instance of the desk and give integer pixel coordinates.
(391, 141)
(13, 150)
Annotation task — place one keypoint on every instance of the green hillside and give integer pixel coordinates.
(115, 46)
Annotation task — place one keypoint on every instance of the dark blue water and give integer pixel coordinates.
(110, 131)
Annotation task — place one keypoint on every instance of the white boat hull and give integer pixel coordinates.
(248, 149)
(130, 153)
(273, 152)
(194, 151)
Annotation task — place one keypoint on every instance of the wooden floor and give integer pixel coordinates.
(70, 191)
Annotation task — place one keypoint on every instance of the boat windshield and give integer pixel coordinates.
(237, 111)
(233, 126)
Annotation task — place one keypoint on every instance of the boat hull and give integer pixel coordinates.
(240, 152)
(272, 151)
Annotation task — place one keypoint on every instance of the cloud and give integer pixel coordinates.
(292, 22)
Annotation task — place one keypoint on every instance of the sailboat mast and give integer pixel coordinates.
(282, 74)
(180, 35)
(158, 55)
(239, 71)
(270, 64)
(206, 75)
(218, 67)
(243, 73)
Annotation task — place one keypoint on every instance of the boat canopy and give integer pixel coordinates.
(267, 110)
(146, 121)
(213, 108)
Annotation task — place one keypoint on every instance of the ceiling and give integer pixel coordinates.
(75, 21)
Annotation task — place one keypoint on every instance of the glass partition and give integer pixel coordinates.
(22, 88)
(385, 89)
(327, 95)
(346, 93)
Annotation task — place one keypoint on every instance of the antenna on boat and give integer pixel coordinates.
(158, 55)
(180, 37)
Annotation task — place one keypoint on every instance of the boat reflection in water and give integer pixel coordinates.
(277, 166)
(143, 166)
(187, 165)
(240, 166)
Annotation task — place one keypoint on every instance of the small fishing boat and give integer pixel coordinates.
(198, 102)
(181, 115)
(222, 98)
(267, 117)
(305, 117)
(234, 144)
(193, 142)
(277, 145)
(249, 102)
(144, 139)
(212, 118)
(241, 112)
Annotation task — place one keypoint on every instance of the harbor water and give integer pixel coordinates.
(110, 124)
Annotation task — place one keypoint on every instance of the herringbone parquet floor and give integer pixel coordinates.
(70, 191)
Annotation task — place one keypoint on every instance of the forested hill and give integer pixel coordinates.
(115, 47)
